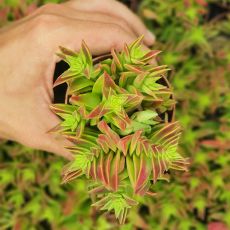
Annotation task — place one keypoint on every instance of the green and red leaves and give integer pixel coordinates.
(142, 120)
(139, 170)
(79, 166)
(105, 129)
(116, 202)
(108, 168)
(80, 65)
(63, 108)
(165, 150)
(71, 119)
(107, 100)
(118, 122)
(114, 171)
(150, 55)
(86, 52)
(80, 85)
(116, 63)
(143, 172)
(87, 100)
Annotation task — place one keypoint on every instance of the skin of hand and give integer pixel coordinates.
(28, 50)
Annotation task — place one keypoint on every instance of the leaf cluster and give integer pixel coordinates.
(117, 116)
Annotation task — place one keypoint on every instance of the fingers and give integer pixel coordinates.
(117, 10)
(56, 144)
(95, 10)
(64, 11)
(52, 142)
(68, 32)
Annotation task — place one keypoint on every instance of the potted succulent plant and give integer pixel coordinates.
(119, 115)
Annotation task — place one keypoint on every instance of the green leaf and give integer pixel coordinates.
(81, 84)
(89, 100)
(63, 108)
(98, 85)
(145, 116)
(130, 170)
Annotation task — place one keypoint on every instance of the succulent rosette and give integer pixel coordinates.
(119, 114)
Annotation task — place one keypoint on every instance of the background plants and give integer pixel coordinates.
(194, 37)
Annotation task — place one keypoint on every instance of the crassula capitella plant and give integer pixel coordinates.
(118, 114)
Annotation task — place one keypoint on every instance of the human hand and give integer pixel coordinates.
(28, 59)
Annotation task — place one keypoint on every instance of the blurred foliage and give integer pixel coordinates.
(194, 35)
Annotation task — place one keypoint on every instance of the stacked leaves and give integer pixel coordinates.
(119, 115)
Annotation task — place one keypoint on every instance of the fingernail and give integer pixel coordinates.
(150, 37)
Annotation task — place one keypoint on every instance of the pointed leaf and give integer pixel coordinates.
(114, 179)
(130, 170)
(89, 100)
